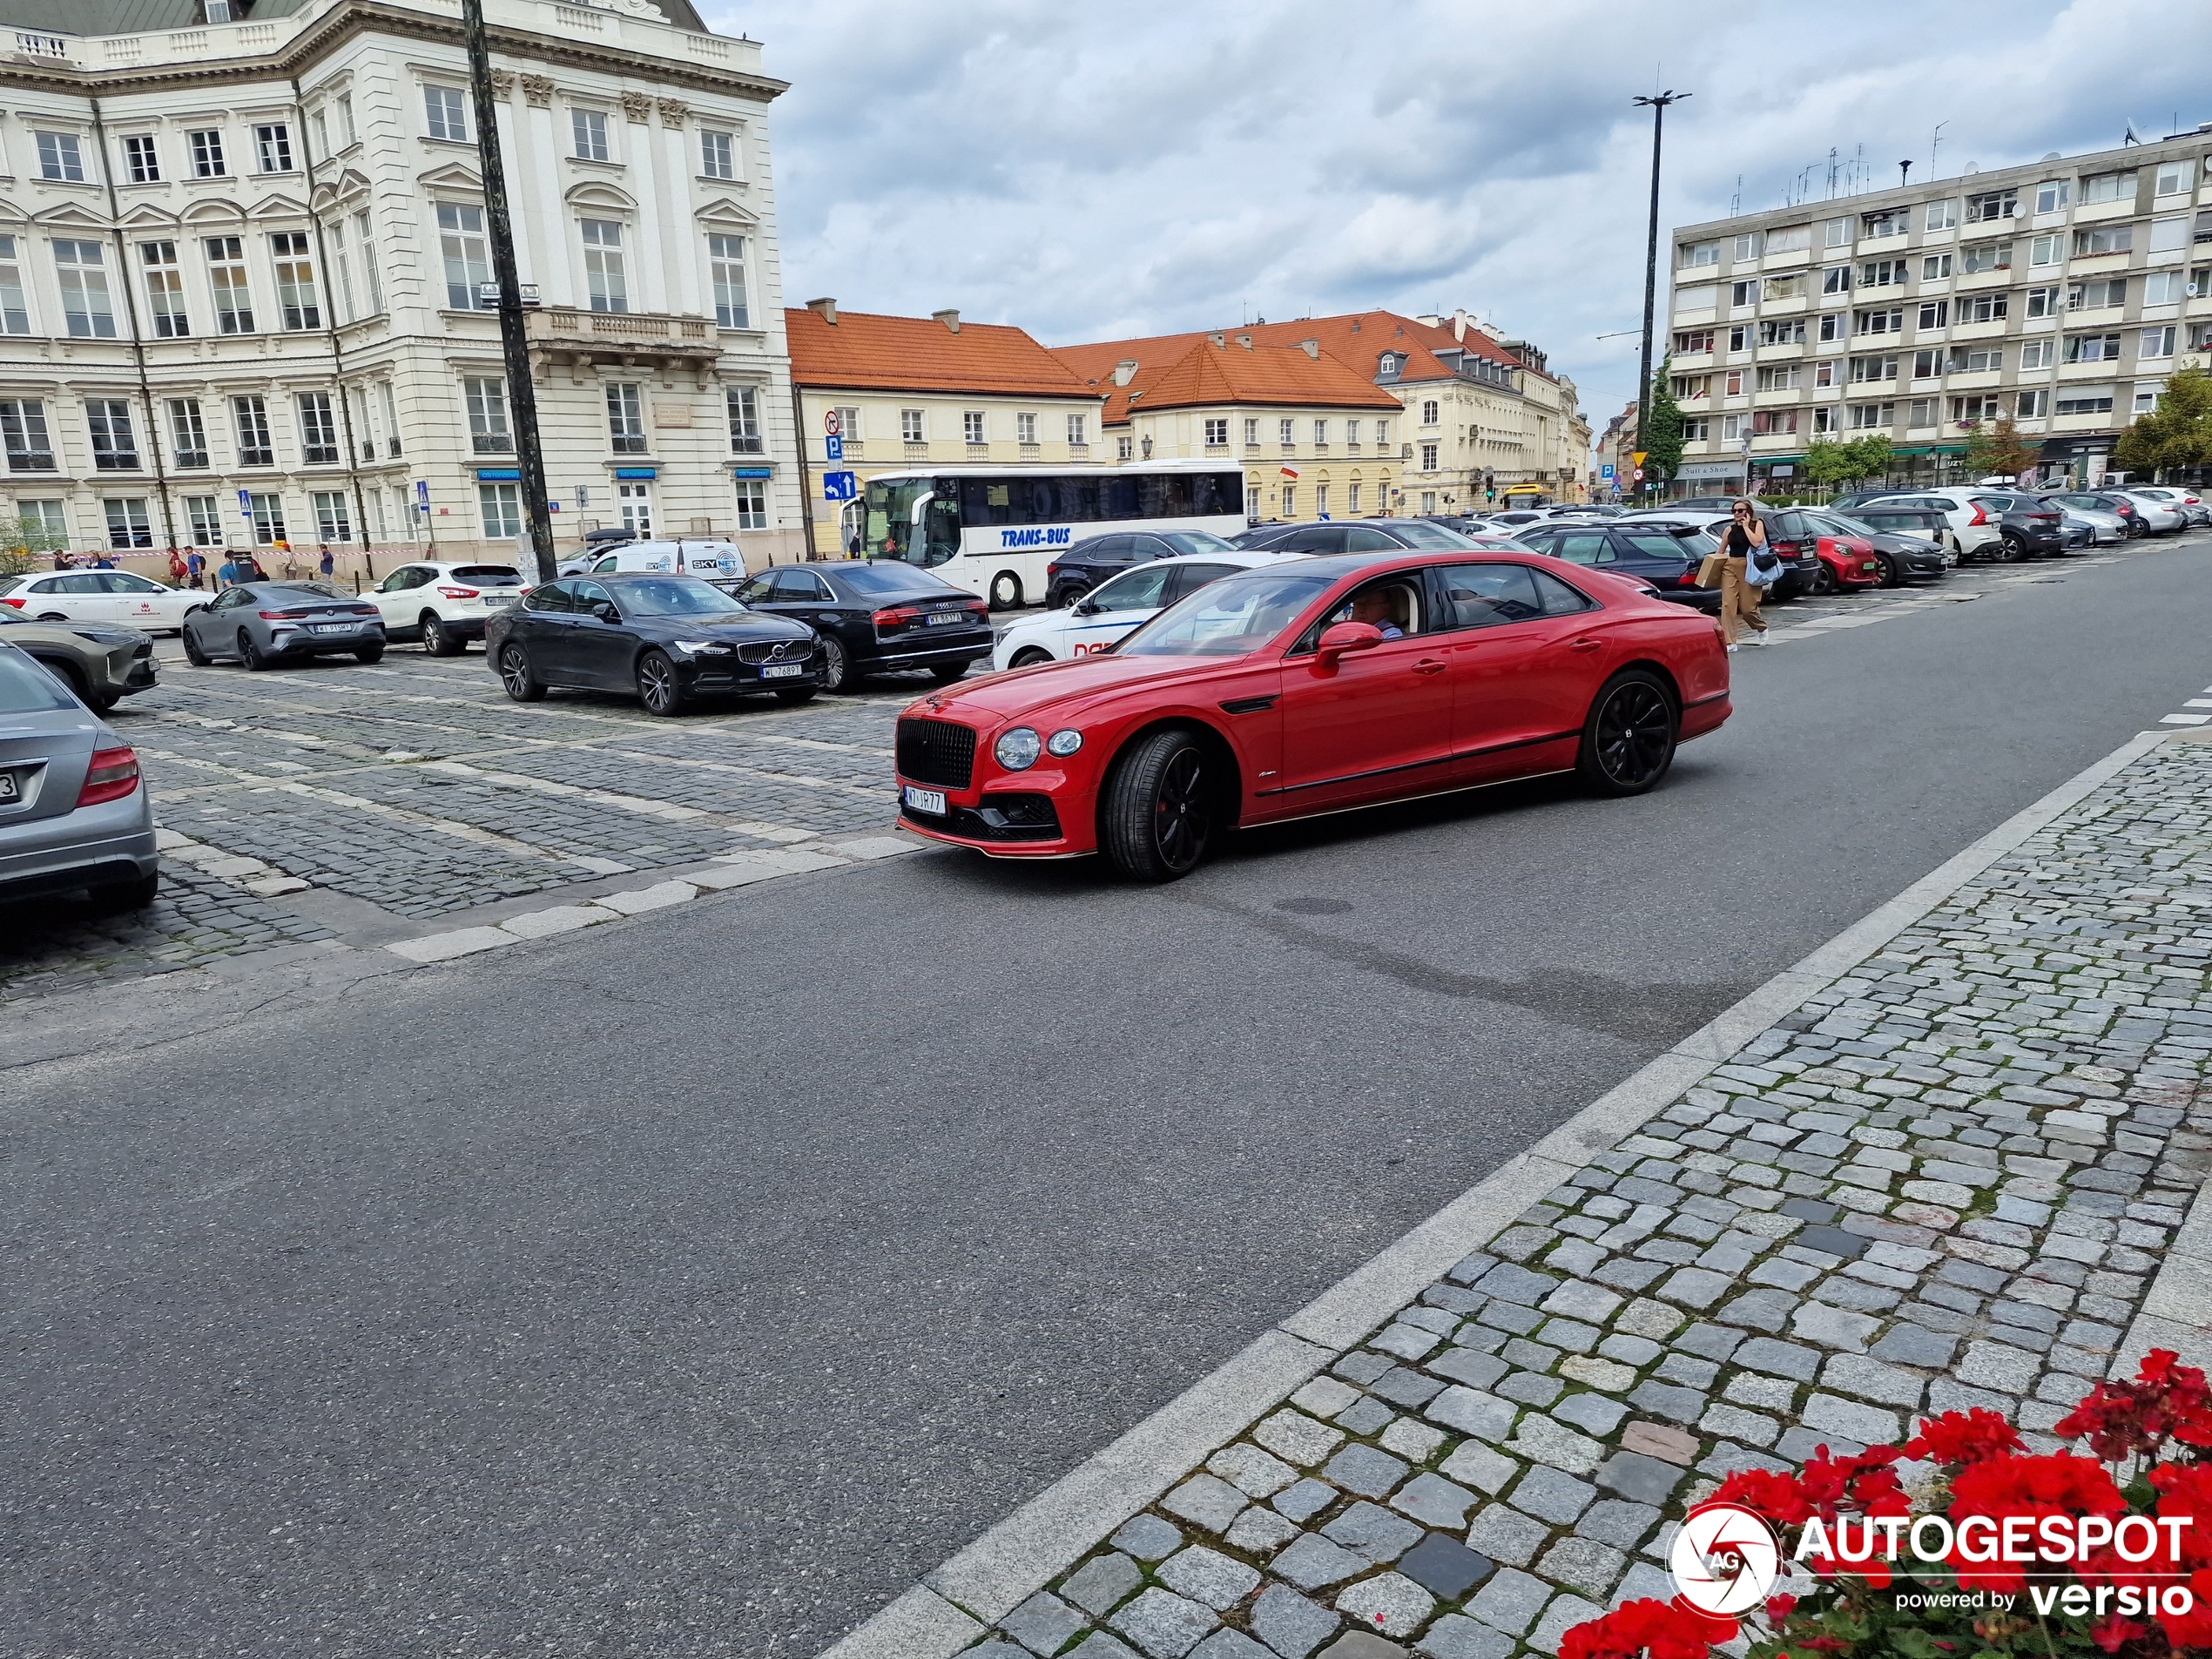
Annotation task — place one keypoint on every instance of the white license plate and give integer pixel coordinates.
(334, 627)
(9, 789)
(939, 618)
(782, 670)
(926, 800)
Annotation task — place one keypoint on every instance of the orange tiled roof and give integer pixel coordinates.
(864, 352)
(1182, 371)
(1356, 341)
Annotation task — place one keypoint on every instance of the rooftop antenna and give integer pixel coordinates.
(1831, 172)
(1858, 169)
(1934, 139)
(1736, 202)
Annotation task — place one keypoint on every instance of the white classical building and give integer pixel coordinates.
(243, 275)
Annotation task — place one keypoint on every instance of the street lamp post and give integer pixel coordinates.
(1658, 103)
(514, 342)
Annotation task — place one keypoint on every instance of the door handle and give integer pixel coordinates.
(1583, 644)
(1428, 665)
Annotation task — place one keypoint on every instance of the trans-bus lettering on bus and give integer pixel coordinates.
(993, 529)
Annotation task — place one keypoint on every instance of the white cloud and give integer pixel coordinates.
(1096, 171)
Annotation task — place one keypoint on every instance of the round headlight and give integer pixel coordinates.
(1017, 750)
(1064, 743)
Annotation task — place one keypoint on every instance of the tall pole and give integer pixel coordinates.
(1658, 103)
(514, 342)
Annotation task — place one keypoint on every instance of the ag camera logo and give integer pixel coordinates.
(1724, 1560)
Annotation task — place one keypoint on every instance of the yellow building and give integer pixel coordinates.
(920, 391)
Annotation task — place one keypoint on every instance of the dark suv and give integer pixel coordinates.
(1086, 564)
(2031, 526)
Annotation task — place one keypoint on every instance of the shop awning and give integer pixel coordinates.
(2084, 443)
(1929, 450)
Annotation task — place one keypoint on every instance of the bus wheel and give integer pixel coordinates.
(1006, 591)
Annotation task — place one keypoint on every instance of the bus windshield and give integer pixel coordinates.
(889, 534)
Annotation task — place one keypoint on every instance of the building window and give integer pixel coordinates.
(2086, 403)
(1025, 428)
(297, 300)
(81, 269)
(272, 147)
(636, 503)
(1934, 267)
(250, 419)
(369, 275)
(61, 157)
(1251, 501)
(726, 258)
(333, 519)
(718, 155)
(23, 432)
(115, 447)
(1351, 432)
(1351, 498)
(1320, 501)
(2043, 302)
(1881, 273)
(2037, 354)
(1696, 430)
(2104, 238)
(2156, 342)
(1217, 431)
(1252, 432)
(752, 504)
(342, 267)
(2047, 250)
(848, 423)
(1287, 430)
(2175, 178)
(1290, 501)
(187, 435)
(743, 405)
(318, 429)
(1992, 205)
(346, 135)
(1942, 216)
(444, 114)
(227, 276)
(1986, 256)
(971, 425)
(1078, 430)
(1125, 446)
(268, 515)
(1864, 369)
(1887, 221)
(128, 524)
(2108, 187)
(502, 507)
(1865, 416)
(589, 128)
(486, 396)
(603, 266)
(1741, 293)
(165, 290)
(141, 162)
(1878, 322)
(2035, 404)
(1698, 253)
(625, 418)
(1382, 432)
(391, 419)
(206, 148)
(1935, 314)
(1428, 412)
(15, 315)
(2101, 294)
(461, 239)
(2093, 348)
(2052, 198)
(204, 514)
(1428, 456)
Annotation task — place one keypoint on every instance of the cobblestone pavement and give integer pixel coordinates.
(415, 788)
(1945, 1181)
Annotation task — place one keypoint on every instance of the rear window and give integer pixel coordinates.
(291, 592)
(490, 575)
(1196, 542)
(892, 579)
(1415, 533)
(25, 688)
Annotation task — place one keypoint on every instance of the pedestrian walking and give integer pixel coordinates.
(227, 575)
(326, 563)
(176, 567)
(1750, 565)
(195, 566)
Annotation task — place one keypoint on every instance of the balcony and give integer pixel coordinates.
(975, 451)
(1031, 451)
(627, 443)
(31, 461)
(492, 443)
(115, 460)
(918, 449)
(855, 450)
(1217, 450)
(1078, 450)
(191, 460)
(318, 454)
(566, 333)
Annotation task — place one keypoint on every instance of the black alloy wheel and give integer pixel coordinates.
(1160, 806)
(1006, 591)
(658, 687)
(193, 654)
(515, 675)
(250, 654)
(837, 665)
(1629, 740)
(1029, 657)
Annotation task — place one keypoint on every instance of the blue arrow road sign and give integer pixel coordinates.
(838, 485)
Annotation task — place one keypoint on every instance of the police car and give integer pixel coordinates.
(1114, 609)
(710, 561)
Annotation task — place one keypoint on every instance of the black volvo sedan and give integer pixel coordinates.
(876, 617)
(668, 639)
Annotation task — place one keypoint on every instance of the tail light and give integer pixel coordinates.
(1788, 549)
(113, 774)
(457, 593)
(897, 616)
(1051, 570)
(978, 610)
(281, 616)
(1979, 516)
(16, 603)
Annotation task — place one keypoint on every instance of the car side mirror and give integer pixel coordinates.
(606, 612)
(1085, 607)
(1343, 637)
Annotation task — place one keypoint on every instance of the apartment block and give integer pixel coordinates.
(2061, 294)
(245, 294)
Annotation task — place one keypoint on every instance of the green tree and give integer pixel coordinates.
(22, 539)
(1866, 457)
(1660, 437)
(1826, 463)
(1996, 447)
(2177, 433)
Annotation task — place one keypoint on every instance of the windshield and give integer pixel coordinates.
(1196, 542)
(1228, 618)
(889, 534)
(1415, 532)
(891, 579)
(674, 596)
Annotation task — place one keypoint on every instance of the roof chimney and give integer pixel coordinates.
(950, 319)
(825, 309)
(1215, 340)
(1125, 371)
(1245, 341)
(1312, 348)
(1429, 319)
(1459, 324)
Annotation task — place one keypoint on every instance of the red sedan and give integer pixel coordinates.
(1311, 687)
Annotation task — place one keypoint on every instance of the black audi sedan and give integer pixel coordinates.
(1086, 564)
(876, 617)
(669, 639)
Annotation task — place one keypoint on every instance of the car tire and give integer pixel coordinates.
(1006, 591)
(53, 616)
(368, 656)
(1059, 598)
(1891, 577)
(101, 702)
(791, 697)
(1029, 657)
(516, 676)
(838, 675)
(1158, 812)
(946, 673)
(249, 654)
(658, 689)
(193, 655)
(2015, 549)
(1824, 583)
(127, 895)
(438, 640)
(1629, 735)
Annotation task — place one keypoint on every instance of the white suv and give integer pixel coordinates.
(1972, 529)
(444, 605)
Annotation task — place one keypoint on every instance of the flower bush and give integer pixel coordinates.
(2151, 1445)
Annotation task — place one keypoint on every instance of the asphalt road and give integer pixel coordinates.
(689, 1285)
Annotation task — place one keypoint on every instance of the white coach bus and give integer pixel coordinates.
(994, 529)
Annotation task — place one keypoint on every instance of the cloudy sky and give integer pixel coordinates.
(1092, 171)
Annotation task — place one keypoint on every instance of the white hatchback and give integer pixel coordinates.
(1114, 607)
(444, 603)
(117, 596)
(709, 560)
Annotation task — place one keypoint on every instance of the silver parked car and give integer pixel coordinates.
(2195, 514)
(74, 814)
(262, 623)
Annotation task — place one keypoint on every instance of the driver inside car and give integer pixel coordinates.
(1373, 606)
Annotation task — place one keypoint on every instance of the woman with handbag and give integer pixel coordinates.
(1751, 565)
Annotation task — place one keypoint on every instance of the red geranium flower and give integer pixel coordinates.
(1970, 1436)
(1634, 1629)
(2007, 1488)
